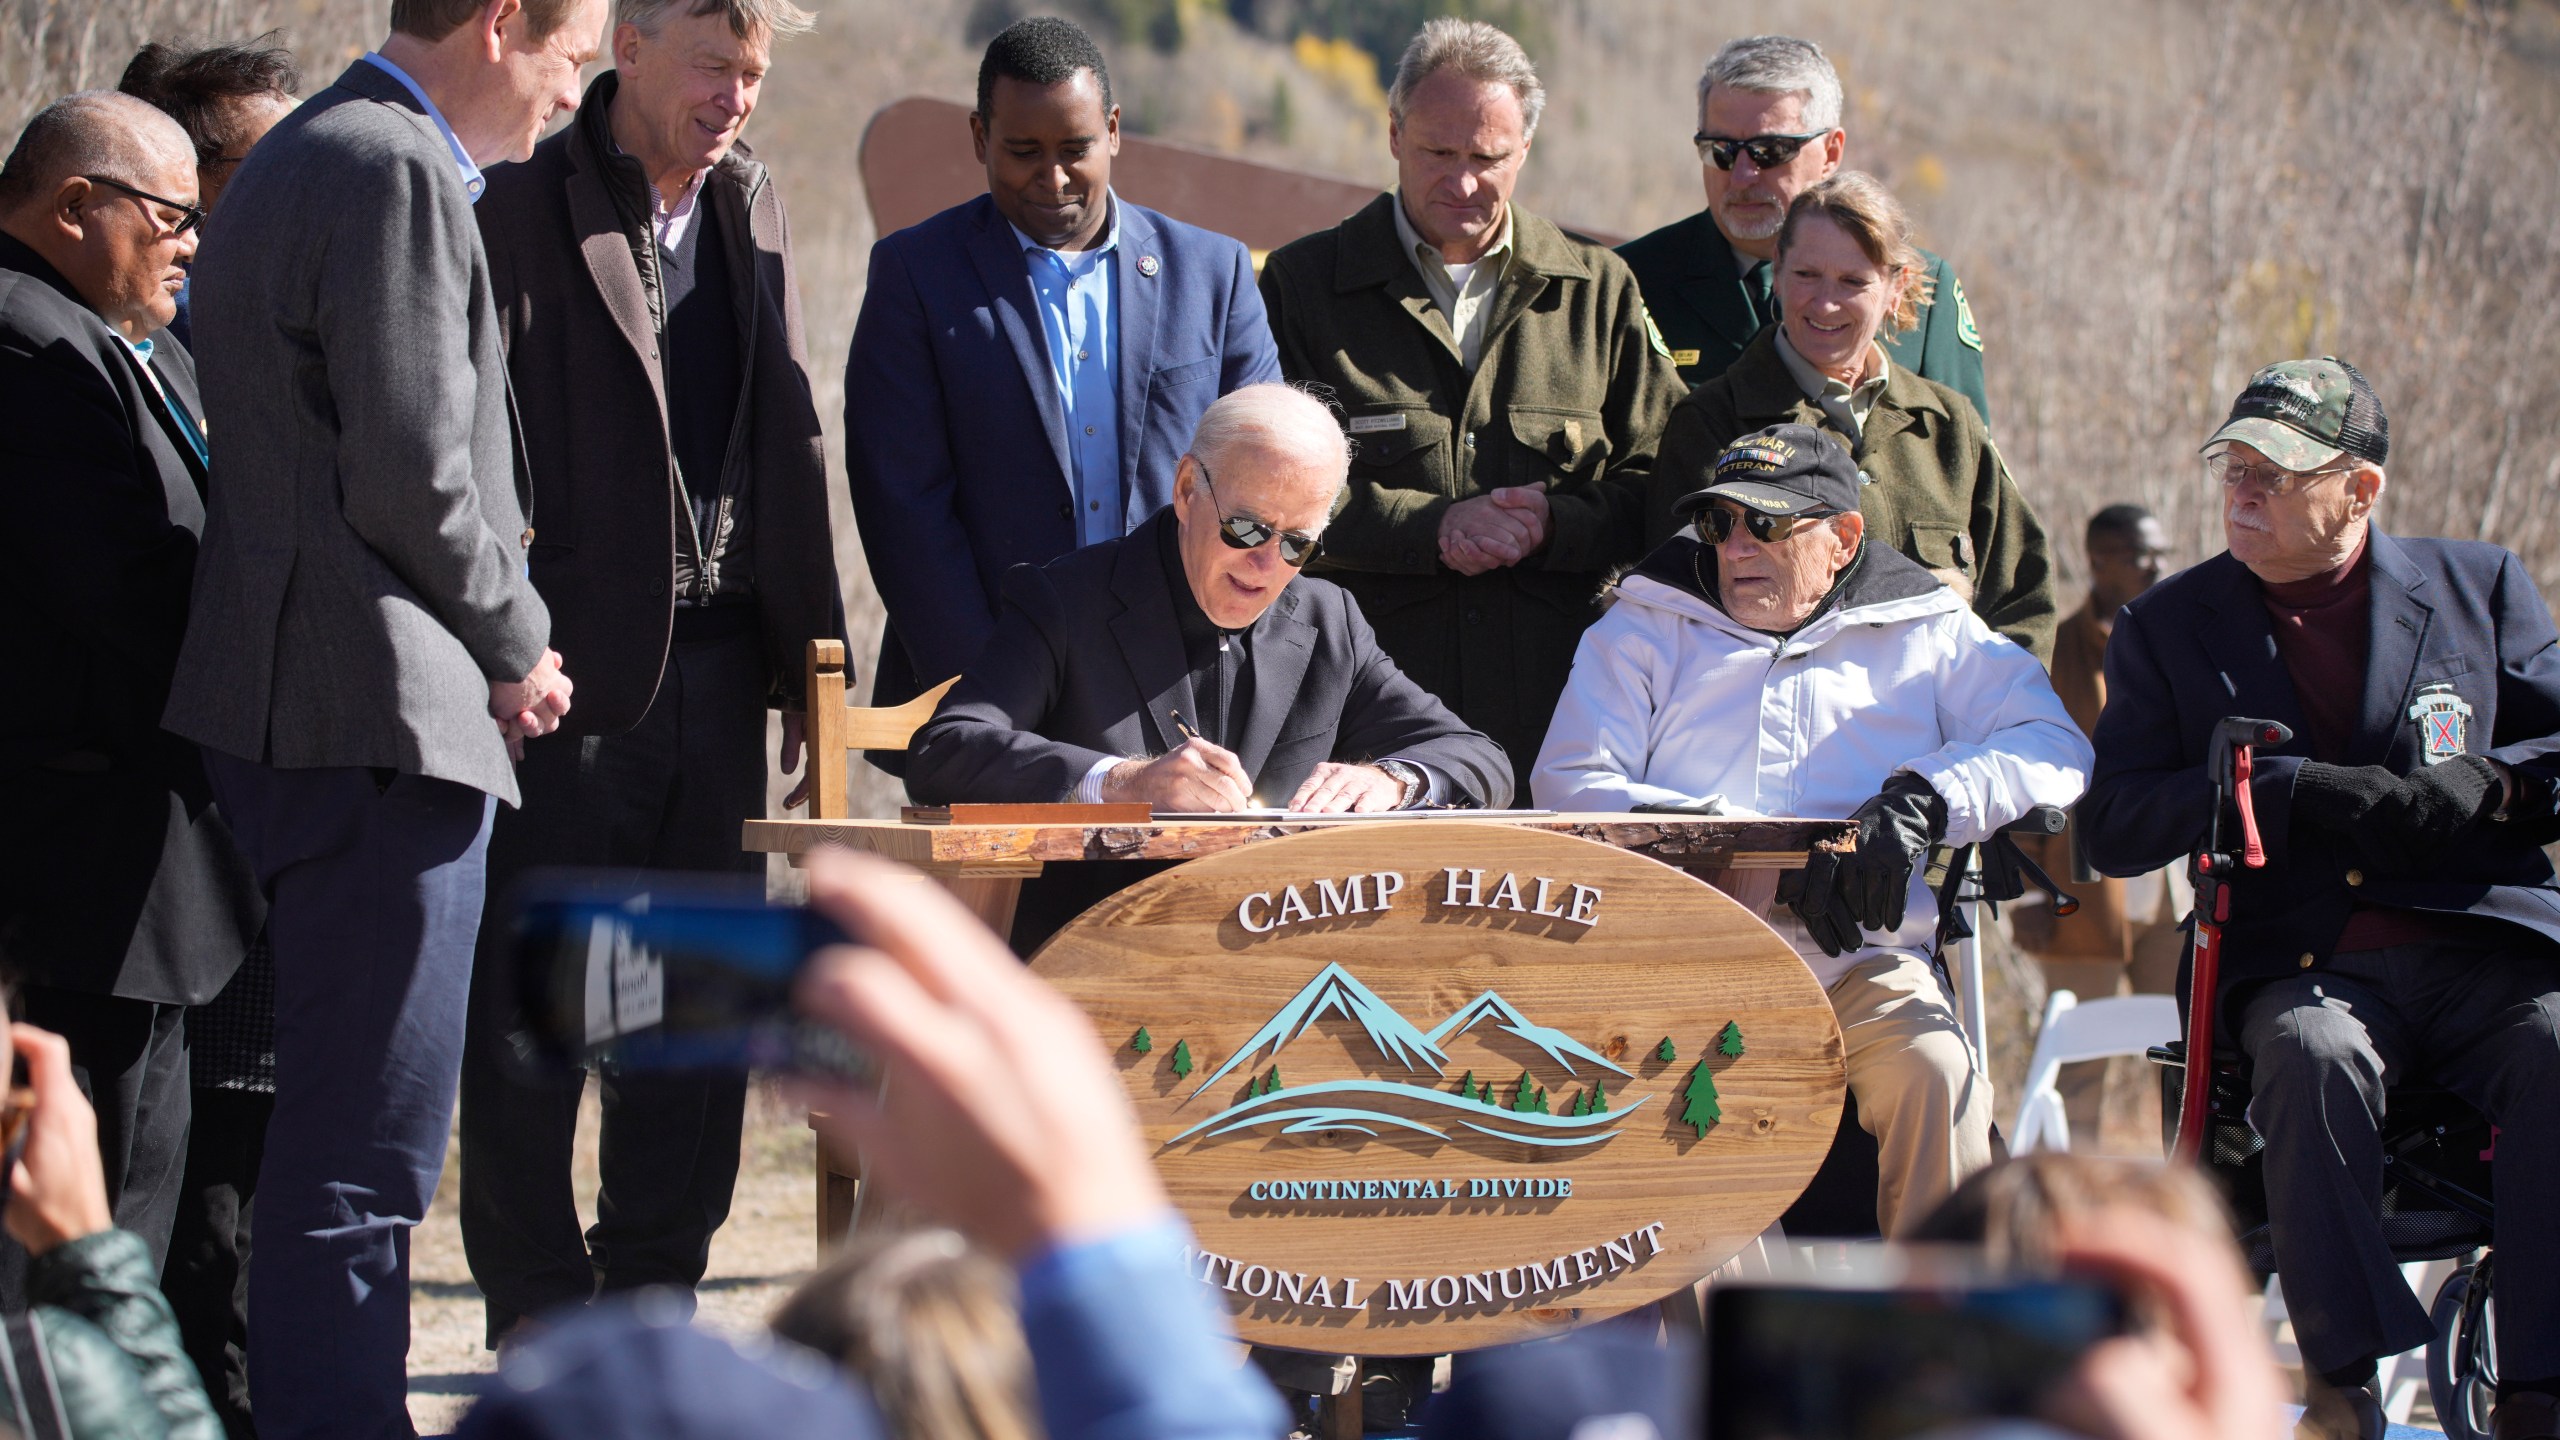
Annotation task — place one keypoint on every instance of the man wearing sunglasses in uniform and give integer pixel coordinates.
(1770, 662)
(1768, 130)
(1192, 666)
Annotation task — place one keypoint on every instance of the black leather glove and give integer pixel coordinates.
(1867, 886)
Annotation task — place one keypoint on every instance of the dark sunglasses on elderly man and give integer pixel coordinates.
(1766, 151)
(1246, 533)
(1716, 526)
(189, 216)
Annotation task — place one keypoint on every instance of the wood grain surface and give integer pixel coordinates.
(1663, 956)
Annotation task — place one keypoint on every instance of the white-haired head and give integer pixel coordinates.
(1777, 65)
(1265, 469)
(1276, 417)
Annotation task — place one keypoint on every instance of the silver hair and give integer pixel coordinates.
(773, 19)
(93, 132)
(1478, 51)
(1778, 65)
(1277, 414)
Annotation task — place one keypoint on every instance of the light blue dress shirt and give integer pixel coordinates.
(472, 181)
(1080, 318)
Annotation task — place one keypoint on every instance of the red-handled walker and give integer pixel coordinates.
(2229, 759)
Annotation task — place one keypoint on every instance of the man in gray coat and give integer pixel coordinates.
(364, 647)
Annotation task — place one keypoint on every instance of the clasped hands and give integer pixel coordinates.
(1500, 527)
(531, 706)
(2400, 823)
(1196, 776)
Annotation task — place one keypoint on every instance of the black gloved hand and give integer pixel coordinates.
(1818, 903)
(2433, 806)
(1867, 886)
(2338, 797)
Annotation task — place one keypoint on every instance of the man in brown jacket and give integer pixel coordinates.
(642, 268)
(1501, 382)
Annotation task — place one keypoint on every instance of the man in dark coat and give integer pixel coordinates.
(1190, 666)
(1768, 129)
(2406, 923)
(122, 897)
(642, 268)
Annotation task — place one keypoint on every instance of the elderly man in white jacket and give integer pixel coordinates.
(1767, 662)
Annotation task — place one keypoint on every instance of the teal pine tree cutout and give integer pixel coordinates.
(1666, 1052)
(1599, 1098)
(1484, 1091)
(1698, 1100)
(1271, 1082)
(1522, 1098)
(1181, 1059)
(1539, 1105)
(1730, 1042)
(1467, 1086)
(1141, 1042)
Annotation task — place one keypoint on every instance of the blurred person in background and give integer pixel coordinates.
(1935, 487)
(2125, 937)
(1029, 365)
(123, 898)
(364, 650)
(998, 1113)
(1504, 388)
(2406, 924)
(642, 270)
(1768, 130)
(931, 1327)
(226, 96)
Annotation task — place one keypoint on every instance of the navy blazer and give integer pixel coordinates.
(1087, 662)
(2199, 647)
(955, 443)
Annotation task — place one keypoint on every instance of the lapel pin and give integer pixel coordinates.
(1148, 265)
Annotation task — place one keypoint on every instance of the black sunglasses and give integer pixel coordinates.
(1766, 151)
(189, 217)
(1246, 533)
(1716, 526)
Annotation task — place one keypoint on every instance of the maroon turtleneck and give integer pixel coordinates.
(2324, 628)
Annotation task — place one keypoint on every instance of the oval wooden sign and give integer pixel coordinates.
(1425, 1086)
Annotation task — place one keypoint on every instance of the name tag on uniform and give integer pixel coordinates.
(1372, 424)
(1684, 358)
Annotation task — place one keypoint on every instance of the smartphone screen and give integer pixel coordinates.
(1822, 1363)
(658, 972)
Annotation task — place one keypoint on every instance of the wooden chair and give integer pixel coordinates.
(836, 729)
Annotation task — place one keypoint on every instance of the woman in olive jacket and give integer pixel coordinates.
(97, 1356)
(1937, 489)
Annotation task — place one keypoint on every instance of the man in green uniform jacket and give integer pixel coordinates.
(1501, 383)
(1706, 278)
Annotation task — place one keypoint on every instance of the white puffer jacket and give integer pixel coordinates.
(1674, 701)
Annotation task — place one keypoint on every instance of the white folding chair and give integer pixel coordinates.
(2073, 1031)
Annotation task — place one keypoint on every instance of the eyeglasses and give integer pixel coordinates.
(189, 216)
(2274, 481)
(1245, 533)
(1766, 151)
(1716, 526)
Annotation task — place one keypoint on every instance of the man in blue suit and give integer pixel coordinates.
(2406, 919)
(1029, 366)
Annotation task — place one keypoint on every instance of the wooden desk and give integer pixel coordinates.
(984, 867)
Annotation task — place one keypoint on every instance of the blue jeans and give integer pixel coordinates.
(376, 883)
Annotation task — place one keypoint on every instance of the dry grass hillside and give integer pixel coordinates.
(2146, 199)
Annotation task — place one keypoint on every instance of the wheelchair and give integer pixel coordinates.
(2435, 1206)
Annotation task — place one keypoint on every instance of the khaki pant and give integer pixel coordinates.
(1918, 1090)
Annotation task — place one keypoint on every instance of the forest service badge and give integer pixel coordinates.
(2443, 719)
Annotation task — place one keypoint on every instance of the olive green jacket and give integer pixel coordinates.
(112, 1346)
(1696, 296)
(1941, 493)
(1570, 393)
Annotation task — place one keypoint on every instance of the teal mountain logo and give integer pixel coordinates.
(1422, 1104)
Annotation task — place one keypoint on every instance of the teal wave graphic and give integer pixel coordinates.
(1288, 1109)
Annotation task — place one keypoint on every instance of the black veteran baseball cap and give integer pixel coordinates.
(2303, 414)
(1783, 470)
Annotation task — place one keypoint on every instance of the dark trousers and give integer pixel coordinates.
(130, 1057)
(669, 794)
(375, 883)
(2483, 1023)
(207, 1277)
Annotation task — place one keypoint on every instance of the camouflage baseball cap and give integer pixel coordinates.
(2303, 414)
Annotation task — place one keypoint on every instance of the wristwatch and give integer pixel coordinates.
(1408, 775)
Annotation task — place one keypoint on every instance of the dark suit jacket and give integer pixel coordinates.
(955, 444)
(117, 876)
(1695, 294)
(582, 348)
(2199, 647)
(1087, 662)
